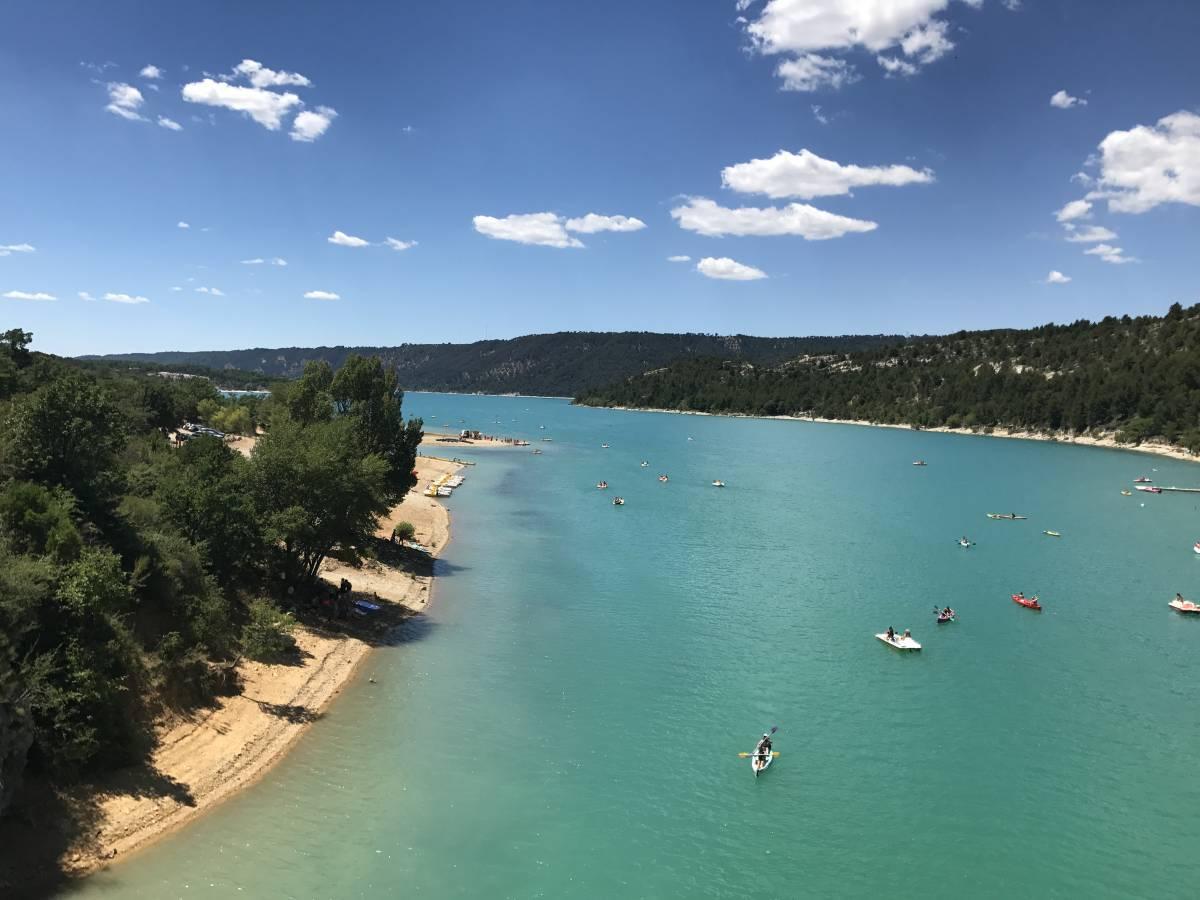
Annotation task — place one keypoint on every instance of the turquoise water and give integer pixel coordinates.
(565, 721)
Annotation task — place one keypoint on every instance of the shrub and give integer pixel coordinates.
(267, 634)
(404, 531)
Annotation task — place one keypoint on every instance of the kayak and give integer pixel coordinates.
(1185, 606)
(942, 620)
(1027, 602)
(1052, 533)
(899, 642)
(1010, 516)
(759, 764)
(963, 543)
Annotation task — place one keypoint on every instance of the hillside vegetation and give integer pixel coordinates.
(561, 364)
(1137, 377)
(135, 573)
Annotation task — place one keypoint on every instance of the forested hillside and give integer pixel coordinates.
(1138, 377)
(134, 573)
(561, 364)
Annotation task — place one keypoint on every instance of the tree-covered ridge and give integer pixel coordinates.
(1139, 377)
(561, 364)
(136, 569)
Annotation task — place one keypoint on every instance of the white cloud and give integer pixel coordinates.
(1083, 178)
(818, 115)
(125, 100)
(261, 77)
(805, 29)
(679, 259)
(928, 43)
(544, 229)
(84, 295)
(399, 245)
(1076, 209)
(182, 224)
(592, 223)
(1057, 277)
(152, 72)
(346, 240)
(705, 217)
(9, 249)
(176, 289)
(1089, 234)
(125, 298)
(28, 295)
(259, 261)
(894, 65)
(812, 72)
(1063, 100)
(311, 124)
(215, 292)
(1110, 254)
(1149, 165)
(321, 295)
(807, 175)
(267, 108)
(728, 270)
(169, 123)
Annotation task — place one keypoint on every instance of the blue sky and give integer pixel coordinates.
(826, 168)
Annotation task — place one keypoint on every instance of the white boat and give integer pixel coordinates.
(718, 484)
(1196, 546)
(618, 501)
(645, 465)
(760, 764)
(445, 491)
(965, 543)
(899, 642)
(604, 446)
(1185, 606)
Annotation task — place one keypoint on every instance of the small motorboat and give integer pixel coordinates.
(548, 440)
(899, 641)
(645, 465)
(663, 478)
(1126, 493)
(1010, 516)
(920, 462)
(1142, 479)
(537, 452)
(964, 542)
(1052, 533)
(618, 501)
(1184, 606)
(601, 485)
(720, 483)
(1196, 546)
(1027, 602)
(604, 446)
(1148, 489)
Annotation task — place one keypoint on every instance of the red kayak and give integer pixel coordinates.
(1030, 602)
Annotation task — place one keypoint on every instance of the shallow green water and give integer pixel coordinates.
(506, 749)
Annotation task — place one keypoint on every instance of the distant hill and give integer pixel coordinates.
(1137, 377)
(561, 364)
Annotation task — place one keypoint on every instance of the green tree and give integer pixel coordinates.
(66, 434)
(314, 491)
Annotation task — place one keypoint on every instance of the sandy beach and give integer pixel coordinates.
(1107, 439)
(205, 757)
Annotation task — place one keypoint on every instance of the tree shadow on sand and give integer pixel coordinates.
(51, 832)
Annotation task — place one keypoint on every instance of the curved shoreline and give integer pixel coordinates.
(1106, 441)
(202, 761)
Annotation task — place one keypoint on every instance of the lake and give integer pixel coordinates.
(565, 720)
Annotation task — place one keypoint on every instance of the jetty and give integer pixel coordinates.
(1179, 490)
